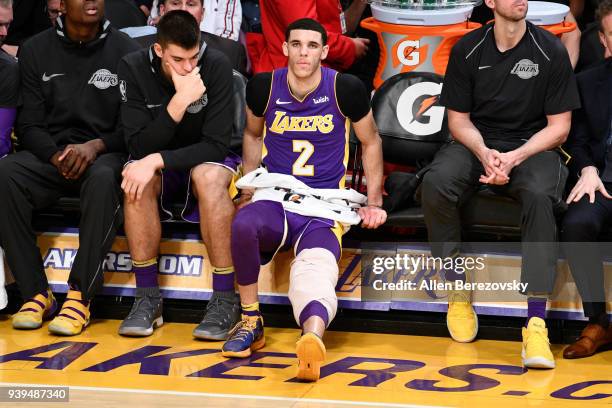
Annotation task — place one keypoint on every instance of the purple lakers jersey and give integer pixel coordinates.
(306, 138)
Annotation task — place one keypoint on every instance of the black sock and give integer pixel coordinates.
(601, 319)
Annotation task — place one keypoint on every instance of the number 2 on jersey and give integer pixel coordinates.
(306, 149)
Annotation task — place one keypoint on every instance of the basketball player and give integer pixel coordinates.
(70, 143)
(298, 121)
(177, 118)
(509, 90)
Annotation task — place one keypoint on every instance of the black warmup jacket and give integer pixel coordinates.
(204, 133)
(70, 90)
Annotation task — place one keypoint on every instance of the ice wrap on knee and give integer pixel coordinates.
(314, 274)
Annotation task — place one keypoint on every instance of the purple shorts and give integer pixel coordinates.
(263, 228)
(176, 187)
(285, 230)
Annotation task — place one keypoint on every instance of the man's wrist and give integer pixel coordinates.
(182, 101)
(481, 152)
(518, 156)
(98, 145)
(375, 202)
(156, 160)
(589, 169)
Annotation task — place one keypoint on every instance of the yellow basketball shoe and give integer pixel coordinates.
(34, 311)
(310, 352)
(461, 319)
(73, 317)
(536, 347)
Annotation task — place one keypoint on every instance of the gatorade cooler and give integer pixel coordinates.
(417, 35)
(550, 16)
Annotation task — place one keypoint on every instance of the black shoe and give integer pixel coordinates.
(222, 313)
(146, 314)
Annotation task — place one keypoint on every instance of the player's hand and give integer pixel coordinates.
(75, 159)
(188, 87)
(153, 21)
(145, 10)
(245, 198)
(588, 183)
(508, 161)
(372, 216)
(54, 161)
(361, 47)
(491, 161)
(136, 176)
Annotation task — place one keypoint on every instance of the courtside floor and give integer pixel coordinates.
(171, 369)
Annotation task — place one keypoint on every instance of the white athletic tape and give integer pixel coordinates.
(314, 274)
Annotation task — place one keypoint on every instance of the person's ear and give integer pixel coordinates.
(159, 51)
(325, 52)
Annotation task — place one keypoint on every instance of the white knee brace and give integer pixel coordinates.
(314, 274)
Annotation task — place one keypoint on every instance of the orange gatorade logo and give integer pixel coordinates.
(408, 53)
(407, 48)
(425, 105)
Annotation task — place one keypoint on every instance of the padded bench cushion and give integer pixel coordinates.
(485, 209)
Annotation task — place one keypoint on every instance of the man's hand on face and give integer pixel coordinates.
(188, 87)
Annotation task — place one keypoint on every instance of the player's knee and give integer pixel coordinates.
(247, 223)
(150, 192)
(535, 197)
(102, 177)
(210, 180)
(433, 187)
(578, 226)
(314, 274)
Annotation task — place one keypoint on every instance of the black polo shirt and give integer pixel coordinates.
(508, 94)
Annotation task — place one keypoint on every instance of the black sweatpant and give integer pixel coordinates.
(28, 184)
(582, 226)
(537, 184)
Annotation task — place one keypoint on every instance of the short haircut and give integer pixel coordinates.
(603, 10)
(6, 3)
(307, 24)
(180, 28)
(164, 2)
